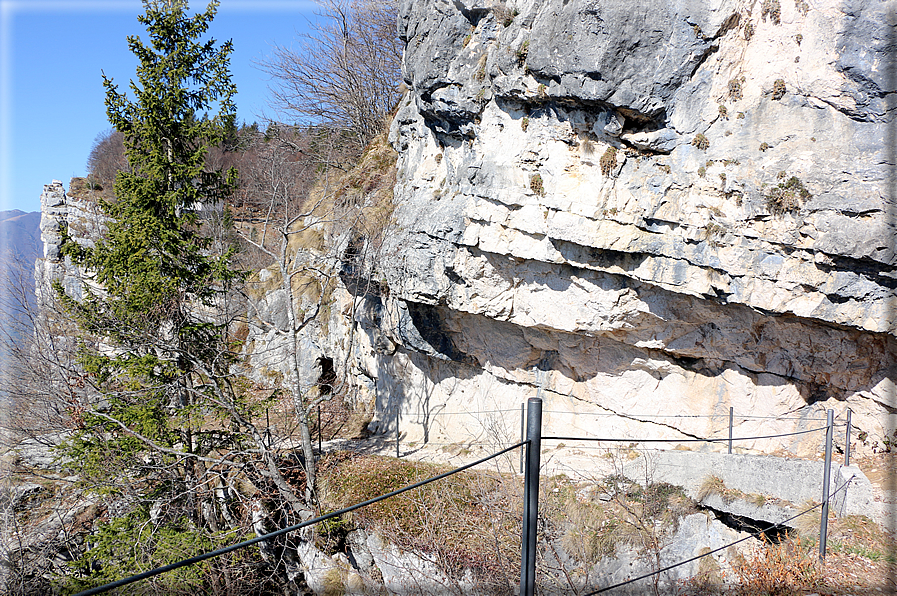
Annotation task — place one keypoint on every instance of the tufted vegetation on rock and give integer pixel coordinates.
(786, 197)
(773, 10)
(609, 161)
(536, 185)
(735, 89)
(701, 142)
(778, 89)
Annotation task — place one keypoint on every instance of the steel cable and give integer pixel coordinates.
(293, 528)
(701, 556)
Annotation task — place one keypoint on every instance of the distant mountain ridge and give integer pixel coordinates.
(20, 233)
(20, 246)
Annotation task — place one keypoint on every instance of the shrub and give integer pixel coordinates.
(773, 10)
(609, 161)
(524, 123)
(784, 569)
(702, 171)
(701, 142)
(535, 184)
(588, 147)
(748, 31)
(787, 196)
(481, 68)
(764, 146)
(450, 521)
(798, 38)
(523, 52)
(723, 112)
(735, 89)
(778, 89)
(802, 7)
(504, 15)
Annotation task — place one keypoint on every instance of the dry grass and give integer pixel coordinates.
(472, 521)
(784, 569)
(469, 521)
(591, 520)
(713, 485)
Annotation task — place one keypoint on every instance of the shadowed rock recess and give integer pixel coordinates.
(652, 209)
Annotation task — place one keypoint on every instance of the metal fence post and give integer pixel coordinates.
(826, 478)
(847, 440)
(522, 433)
(731, 415)
(531, 497)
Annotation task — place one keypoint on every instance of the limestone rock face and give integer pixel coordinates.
(648, 209)
(81, 213)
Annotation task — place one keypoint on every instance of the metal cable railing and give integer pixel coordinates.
(677, 440)
(532, 441)
(718, 549)
(281, 532)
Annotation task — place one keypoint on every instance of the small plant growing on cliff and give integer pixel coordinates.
(504, 15)
(702, 171)
(481, 68)
(798, 38)
(802, 7)
(773, 10)
(714, 229)
(787, 196)
(588, 147)
(778, 89)
(523, 52)
(535, 184)
(764, 146)
(609, 161)
(542, 90)
(524, 123)
(735, 89)
(701, 142)
(723, 112)
(748, 31)
(739, 116)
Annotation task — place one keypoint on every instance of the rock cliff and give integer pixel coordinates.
(651, 210)
(648, 209)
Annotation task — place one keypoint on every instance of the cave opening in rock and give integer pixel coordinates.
(746, 524)
(327, 379)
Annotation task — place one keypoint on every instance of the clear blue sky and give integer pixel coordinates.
(51, 92)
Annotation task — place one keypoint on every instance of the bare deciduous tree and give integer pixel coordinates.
(345, 75)
(290, 231)
(107, 156)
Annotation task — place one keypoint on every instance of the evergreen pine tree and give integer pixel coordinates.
(164, 425)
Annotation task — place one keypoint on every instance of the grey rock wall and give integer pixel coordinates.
(653, 209)
(85, 222)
